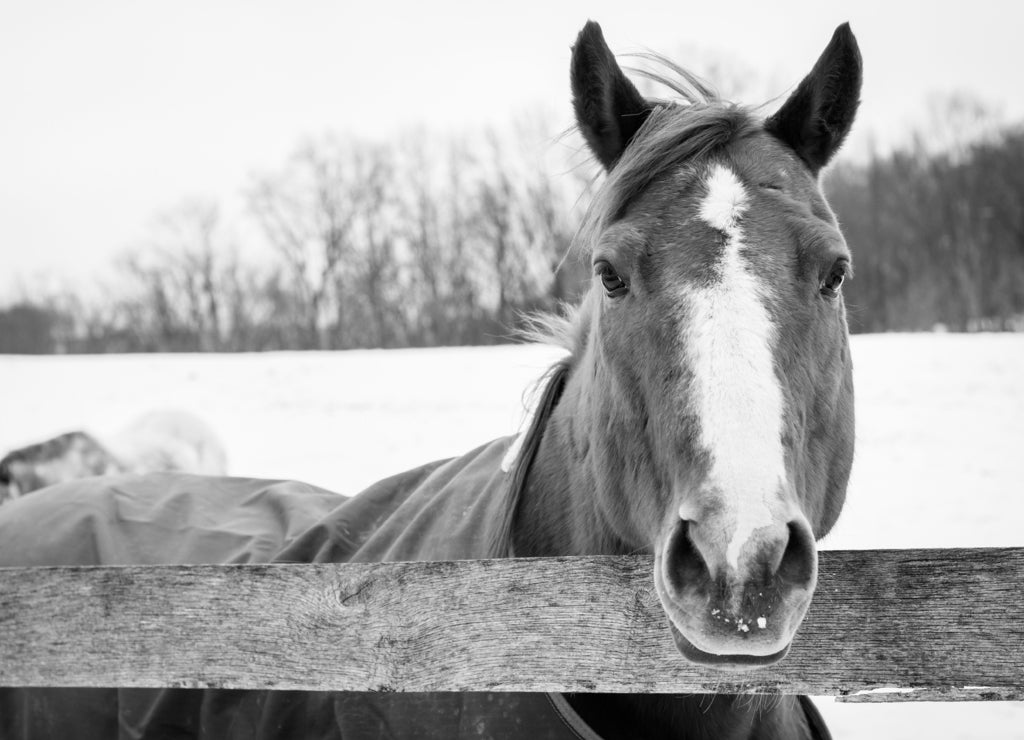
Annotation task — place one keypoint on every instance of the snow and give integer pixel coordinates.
(883, 690)
(940, 433)
(339, 420)
(940, 438)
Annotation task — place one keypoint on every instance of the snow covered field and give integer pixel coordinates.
(939, 460)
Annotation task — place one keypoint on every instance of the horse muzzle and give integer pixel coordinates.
(741, 614)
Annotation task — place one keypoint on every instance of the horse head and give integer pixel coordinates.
(714, 373)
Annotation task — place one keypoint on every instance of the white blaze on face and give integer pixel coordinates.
(736, 396)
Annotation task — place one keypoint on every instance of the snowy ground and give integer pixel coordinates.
(939, 460)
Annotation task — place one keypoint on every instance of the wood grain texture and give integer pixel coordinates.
(936, 624)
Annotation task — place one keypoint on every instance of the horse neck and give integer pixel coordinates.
(699, 716)
(559, 510)
(567, 507)
(583, 492)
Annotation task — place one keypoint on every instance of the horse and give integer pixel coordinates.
(169, 440)
(703, 414)
(159, 440)
(65, 457)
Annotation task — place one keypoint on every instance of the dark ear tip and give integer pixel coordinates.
(816, 118)
(590, 48)
(590, 34)
(844, 45)
(843, 36)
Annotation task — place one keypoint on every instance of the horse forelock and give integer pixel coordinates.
(673, 137)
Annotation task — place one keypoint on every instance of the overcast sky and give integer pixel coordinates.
(114, 111)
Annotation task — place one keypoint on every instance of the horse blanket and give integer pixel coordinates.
(445, 510)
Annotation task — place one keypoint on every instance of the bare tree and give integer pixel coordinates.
(306, 213)
(375, 239)
(178, 270)
(424, 201)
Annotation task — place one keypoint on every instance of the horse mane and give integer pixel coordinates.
(677, 131)
(554, 381)
(565, 327)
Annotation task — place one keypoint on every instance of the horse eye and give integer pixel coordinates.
(613, 284)
(834, 280)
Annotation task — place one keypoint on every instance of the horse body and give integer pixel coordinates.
(169, 440)
(704, 415)
(444, 510)
(65, 457)
(448, 509)
(706, 411)
(160, 440)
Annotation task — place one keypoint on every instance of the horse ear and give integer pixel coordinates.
(819, 114)
(609, 109)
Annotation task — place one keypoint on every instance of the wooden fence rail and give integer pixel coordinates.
(885, 625)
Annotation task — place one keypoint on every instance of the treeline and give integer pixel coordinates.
(937, 236)
(422, 242)
(446, 241)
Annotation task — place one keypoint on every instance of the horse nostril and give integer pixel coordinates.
(686, 565)
(799, 561)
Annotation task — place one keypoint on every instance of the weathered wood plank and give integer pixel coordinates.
(944, 623)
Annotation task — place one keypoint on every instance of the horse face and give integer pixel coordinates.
(9, 488)
(718, 271)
